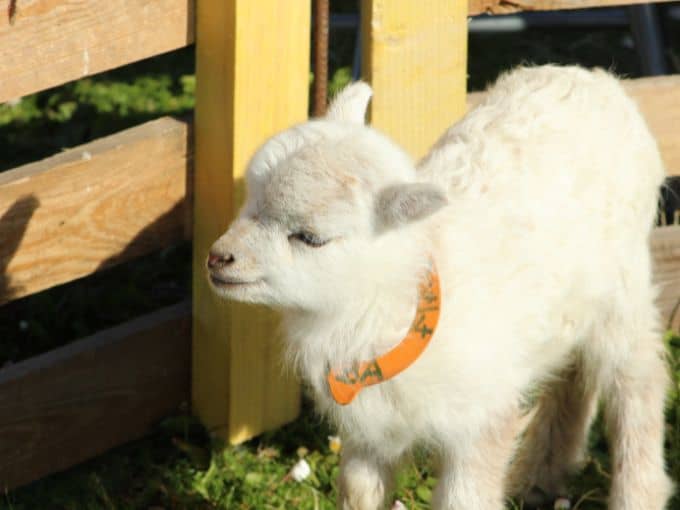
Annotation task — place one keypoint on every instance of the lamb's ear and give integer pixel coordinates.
(350, 103)
(403, 203)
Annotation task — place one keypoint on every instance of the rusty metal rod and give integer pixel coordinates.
(321, 17)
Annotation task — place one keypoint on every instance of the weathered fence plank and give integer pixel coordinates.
(510, 6)
(49, 42)
(252, 80)
(659, 102)
(415, 59)
(93, 206)
(665, 244)
(70, 404)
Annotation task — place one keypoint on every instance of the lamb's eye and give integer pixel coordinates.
(308, 238)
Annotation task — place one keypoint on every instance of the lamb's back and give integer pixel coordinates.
(553, 182)
(559, 143)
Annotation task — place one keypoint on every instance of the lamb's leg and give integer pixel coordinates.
(554, 443)
(474, 470)
(364, 480)
(634, 404)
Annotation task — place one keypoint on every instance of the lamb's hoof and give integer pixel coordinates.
(538, 499)
(562, 504)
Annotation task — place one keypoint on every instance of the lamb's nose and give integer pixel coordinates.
(217, 261)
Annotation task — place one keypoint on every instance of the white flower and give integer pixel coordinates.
(398, 505)
(300, 470)
(334, 443)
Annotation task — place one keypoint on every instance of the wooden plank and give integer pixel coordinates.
(93, 206)
(244, 94)
(509, 6)
(415, 59)
(659, 101)
(70, 404)
(665, 244)
(49, 42)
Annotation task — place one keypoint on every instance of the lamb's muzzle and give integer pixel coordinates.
(216, 264)
(218, 261)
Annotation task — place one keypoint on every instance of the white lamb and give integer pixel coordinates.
(535, 209)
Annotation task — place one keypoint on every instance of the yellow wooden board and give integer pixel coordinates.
(415, 58)
(252, 81)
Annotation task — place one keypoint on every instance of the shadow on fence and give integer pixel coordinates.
(13, 225)
(174, 225)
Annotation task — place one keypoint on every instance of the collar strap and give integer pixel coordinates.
(345, 384)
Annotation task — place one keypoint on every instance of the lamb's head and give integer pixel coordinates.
(327, 203)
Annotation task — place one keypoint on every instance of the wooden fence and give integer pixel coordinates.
(136, 191)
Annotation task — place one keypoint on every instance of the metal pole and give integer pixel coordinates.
(644, 23)
(321, 16)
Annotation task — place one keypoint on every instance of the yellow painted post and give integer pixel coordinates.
(414, 56)
(252, 81)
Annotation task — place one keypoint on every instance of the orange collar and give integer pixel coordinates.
(344, 385)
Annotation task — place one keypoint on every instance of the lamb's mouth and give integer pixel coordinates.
(222, 282)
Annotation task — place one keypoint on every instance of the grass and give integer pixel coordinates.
(178, 465)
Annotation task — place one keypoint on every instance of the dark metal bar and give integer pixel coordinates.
(321, 21)
(601, 17)
(356, 61)
(644, 23)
